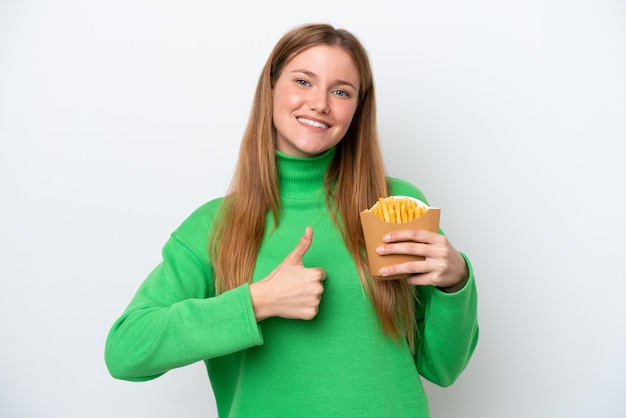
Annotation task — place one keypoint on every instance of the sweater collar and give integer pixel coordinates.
(301, 177)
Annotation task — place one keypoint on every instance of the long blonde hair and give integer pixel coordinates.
(354, 180)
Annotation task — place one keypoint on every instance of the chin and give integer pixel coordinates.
(314, 152)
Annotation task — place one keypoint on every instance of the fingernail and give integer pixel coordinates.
(387, 237)
(383, 271)
(380, 250)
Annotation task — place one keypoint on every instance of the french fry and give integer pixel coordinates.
(397, 209)
(404, 214)
(383, 203)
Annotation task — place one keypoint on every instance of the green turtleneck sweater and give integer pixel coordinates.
(338, 364)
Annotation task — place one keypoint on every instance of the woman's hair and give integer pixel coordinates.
(354, 180)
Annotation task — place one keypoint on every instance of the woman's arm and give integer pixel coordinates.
(175, 320)
(448, 331)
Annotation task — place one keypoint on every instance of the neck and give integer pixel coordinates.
(302, 177)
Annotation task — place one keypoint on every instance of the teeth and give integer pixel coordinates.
(312, 123)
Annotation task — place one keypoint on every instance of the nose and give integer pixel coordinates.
(318, 101)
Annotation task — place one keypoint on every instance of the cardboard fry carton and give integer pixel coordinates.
(375, 229)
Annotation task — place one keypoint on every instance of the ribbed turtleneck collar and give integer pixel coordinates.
(302, 177)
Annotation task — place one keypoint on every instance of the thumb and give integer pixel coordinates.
(295, 257)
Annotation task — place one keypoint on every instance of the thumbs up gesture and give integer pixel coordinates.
(291, 290)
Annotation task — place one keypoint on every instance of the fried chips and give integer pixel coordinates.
(397, 209)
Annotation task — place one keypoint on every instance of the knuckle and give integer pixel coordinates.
(316, 296)
(311, 313)
(442, 252)
(417, 249)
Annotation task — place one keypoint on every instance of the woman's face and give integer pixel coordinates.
(315, 98)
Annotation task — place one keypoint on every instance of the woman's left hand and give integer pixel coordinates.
(443, 266)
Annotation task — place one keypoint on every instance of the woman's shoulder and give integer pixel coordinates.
(199, 222)
(400, 187)
(210, 208)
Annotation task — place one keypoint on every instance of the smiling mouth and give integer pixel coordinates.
(312, 123)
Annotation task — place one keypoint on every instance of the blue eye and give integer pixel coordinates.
(302, 82)
(341, 93)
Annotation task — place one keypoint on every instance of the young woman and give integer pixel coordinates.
(270, 285)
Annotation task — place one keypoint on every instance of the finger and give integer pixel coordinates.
(419, 279)
(321, 273)
(406, 247)
(410, 267)
(303, 246)
(416, 235)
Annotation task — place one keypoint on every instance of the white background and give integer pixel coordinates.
(119, 118)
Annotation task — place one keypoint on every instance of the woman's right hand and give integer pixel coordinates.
(292, 290)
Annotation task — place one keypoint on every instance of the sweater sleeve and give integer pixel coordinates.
(175, 320)
(447, 331)
(447, 322)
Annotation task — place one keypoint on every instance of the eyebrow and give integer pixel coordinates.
(313, 75)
